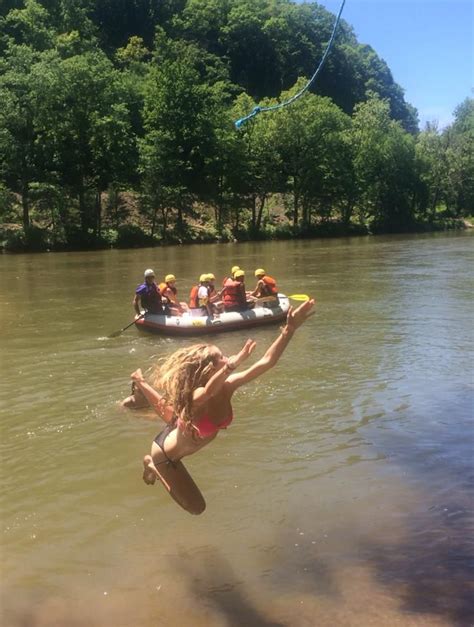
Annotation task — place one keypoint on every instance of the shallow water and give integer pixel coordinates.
(342, 494)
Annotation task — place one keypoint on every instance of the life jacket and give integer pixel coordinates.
(165, 290)
(234, 294)
(193, 297)
(151, 299)
(270, 286)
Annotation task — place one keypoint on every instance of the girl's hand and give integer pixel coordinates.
(296, 317)
(137, 375)
(242, 355)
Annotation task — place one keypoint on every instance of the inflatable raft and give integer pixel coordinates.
(194, 323)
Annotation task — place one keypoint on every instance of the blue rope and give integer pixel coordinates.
(280, 105)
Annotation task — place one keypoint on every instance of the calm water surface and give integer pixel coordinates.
(341, 495)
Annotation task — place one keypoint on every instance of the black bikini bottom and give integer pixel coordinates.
(161, 437)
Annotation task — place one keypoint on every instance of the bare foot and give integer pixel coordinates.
(137, 400)
(150, 473)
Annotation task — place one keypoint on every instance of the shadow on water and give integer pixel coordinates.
(434, 565)
(433, 569)
(429, 566)
(304, 572)
(212, 580)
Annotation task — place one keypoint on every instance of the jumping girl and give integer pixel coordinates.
(197, 384)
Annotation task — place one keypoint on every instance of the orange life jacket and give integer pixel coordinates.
(234, 294)
(193, 297)
(169, 291)
(270, 286)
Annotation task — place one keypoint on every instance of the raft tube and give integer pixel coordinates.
(194, 323)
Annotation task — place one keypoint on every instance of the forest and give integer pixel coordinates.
(117, 128)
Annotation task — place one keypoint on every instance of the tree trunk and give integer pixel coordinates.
(153, 222)
(98, 213)
(434, 203)
(179, 219)
(82, 209)
(347, 212)
(25, 202)
(164, 213)
(304, 213)
(260, 212)
(295, 208)
(254, 211)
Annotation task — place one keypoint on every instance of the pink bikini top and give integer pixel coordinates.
(205, 427)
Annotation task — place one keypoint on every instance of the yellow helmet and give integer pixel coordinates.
(234, 270)
(170, 277)
(238, 274)
(211, 277)
(260, 272)
(203, 278)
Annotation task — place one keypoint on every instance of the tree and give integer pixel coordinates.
(431, 169)
(178, 127)
(384, 166)
(314, 155)
(29, 26)
(20, 93)
(460, 156)
(85, 122)
(119, 20)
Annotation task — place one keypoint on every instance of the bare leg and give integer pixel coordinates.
(175, 479)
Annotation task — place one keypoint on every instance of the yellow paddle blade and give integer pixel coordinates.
(302, 297)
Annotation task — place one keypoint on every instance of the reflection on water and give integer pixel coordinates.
(342, 494)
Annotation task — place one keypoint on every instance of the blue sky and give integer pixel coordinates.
(427, 44)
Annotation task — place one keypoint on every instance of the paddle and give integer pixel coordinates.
(269, 299)
(117, 333)
(303, 297)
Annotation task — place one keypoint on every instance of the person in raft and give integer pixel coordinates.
(227, 278)
(199, 296)
(214, 296)
(169, 291)
(147, 296)
(266, 286)
(234, 295)
(197, 384)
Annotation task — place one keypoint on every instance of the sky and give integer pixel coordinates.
(427, 44)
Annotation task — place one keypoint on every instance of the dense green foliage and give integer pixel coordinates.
(116, 127)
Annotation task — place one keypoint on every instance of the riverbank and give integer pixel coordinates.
(14, 239)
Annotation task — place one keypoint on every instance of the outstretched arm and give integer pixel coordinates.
(215, 383)
(156, 400)
(257, 289)
(295, 318)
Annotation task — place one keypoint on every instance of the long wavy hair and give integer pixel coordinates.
(181, 373)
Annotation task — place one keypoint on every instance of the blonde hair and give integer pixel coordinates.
(181, 373)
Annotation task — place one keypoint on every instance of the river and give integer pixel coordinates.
(342, 494)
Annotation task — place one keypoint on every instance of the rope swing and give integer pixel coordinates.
(280, 105)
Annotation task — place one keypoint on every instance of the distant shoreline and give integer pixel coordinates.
(323, 231)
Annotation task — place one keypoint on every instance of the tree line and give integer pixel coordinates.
(117, 127)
